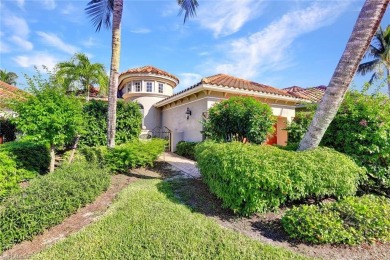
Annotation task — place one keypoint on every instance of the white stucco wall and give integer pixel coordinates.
(152, 115)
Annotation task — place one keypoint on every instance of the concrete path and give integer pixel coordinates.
(187, 166)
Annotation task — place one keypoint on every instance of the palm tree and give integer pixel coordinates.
(100, 12)
(80, 71)
(8, 77)
(379, 49)
(366, 25)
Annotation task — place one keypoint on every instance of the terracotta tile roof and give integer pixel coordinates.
(314, 94)
(8, 91)
(149, 69)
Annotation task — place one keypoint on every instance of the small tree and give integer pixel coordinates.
(239, 119)
(48, 115)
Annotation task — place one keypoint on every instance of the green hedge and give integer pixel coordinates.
(48, 200)
(252, 178)
(186, 149)
(353, 220)
(126, 156)
(28, 155)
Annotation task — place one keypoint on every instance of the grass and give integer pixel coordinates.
(146, 221)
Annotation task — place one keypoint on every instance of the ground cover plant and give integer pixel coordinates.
(128, 123)
(186, 149)
(123, 157)
(239, 119)
(147, 221)
(48, 200)
(353, 220)
(252, 178)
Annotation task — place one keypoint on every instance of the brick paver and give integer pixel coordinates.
(187, 166)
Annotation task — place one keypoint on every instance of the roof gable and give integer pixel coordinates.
(149, 70)
(313, 94)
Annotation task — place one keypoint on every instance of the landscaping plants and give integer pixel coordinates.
(252, 178)
(186, 149)
(48, 200)
(353, 220)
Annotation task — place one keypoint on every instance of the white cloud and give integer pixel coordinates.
(55, 41)
(37, 59)
(268, 49)
(187, 80)
(49, 4)
(22, 43)
(20, 3)
(17, 25)
(141, 30)
(225, 17)
(68, 9)
(4, 48)
(90, 42)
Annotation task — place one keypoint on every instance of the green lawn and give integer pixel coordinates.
(146, 221)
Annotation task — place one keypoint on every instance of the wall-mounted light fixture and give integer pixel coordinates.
(188, 113)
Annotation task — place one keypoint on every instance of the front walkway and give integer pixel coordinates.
(187, 166)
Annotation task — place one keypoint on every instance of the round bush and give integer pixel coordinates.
(353, 220)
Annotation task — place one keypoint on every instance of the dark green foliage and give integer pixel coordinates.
(239, 118)
(7, 130)
(48, 200)
(353, 220)
(28, 155)
(298, 127)
(252, 178)
(128, 123)
(126, 156)
(186, 149)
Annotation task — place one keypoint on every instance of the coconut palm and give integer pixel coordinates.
(8, 77)
(80, 72)
(380, 51)
(366, 25)
(100, 12)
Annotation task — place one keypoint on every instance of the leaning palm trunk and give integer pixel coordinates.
(388, 81)
(366, 25)
(115, 58)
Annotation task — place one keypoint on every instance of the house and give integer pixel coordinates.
(7, 93)
(181, 114)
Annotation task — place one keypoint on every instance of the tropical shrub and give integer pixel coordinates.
(29, 155)
(7, 130)
(353, 220)
(128, 123)
(239, 119)
(298, 126)
(48, 200)
(126, 156)
(8, 175)
(186, 149)
(251, 178)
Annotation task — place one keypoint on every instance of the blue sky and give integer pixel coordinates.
(278, 43)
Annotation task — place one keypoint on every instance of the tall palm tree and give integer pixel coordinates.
(8, 77)
(100, 12)
(379, 49)
(80, 71)
(366, 25)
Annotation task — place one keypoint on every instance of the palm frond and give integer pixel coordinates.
(368, 67)
(100, 12)
(188, 7)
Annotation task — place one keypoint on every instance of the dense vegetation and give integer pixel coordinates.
(353, 220)
(251, 178)
(186, 149)
(48, 200)
(239, 119)
(7, 130)
(128, 123)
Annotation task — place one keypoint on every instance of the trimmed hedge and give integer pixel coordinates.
(251, 178)
(48, 200)
(126, 156)
(353, 220)
(186, 149)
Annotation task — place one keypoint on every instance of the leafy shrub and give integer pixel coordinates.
(8, 175)
(7, 130)
(353, 220)
(251, 178)
(128, 123)
(239, 118)
(126, 156)
(298, 126)
(48, 200)
(186, 149)
(28, 155)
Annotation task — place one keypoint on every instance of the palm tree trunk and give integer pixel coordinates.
(388, 80)
(114, 74)
(366, 25)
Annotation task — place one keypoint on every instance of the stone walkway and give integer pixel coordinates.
(187, 166)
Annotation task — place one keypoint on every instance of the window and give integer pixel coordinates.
(160, 88)
(129, 87)
(149, 86)
(137, 86)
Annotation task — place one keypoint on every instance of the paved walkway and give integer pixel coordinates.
(187, 166)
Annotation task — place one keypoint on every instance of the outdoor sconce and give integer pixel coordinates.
(188, 113)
